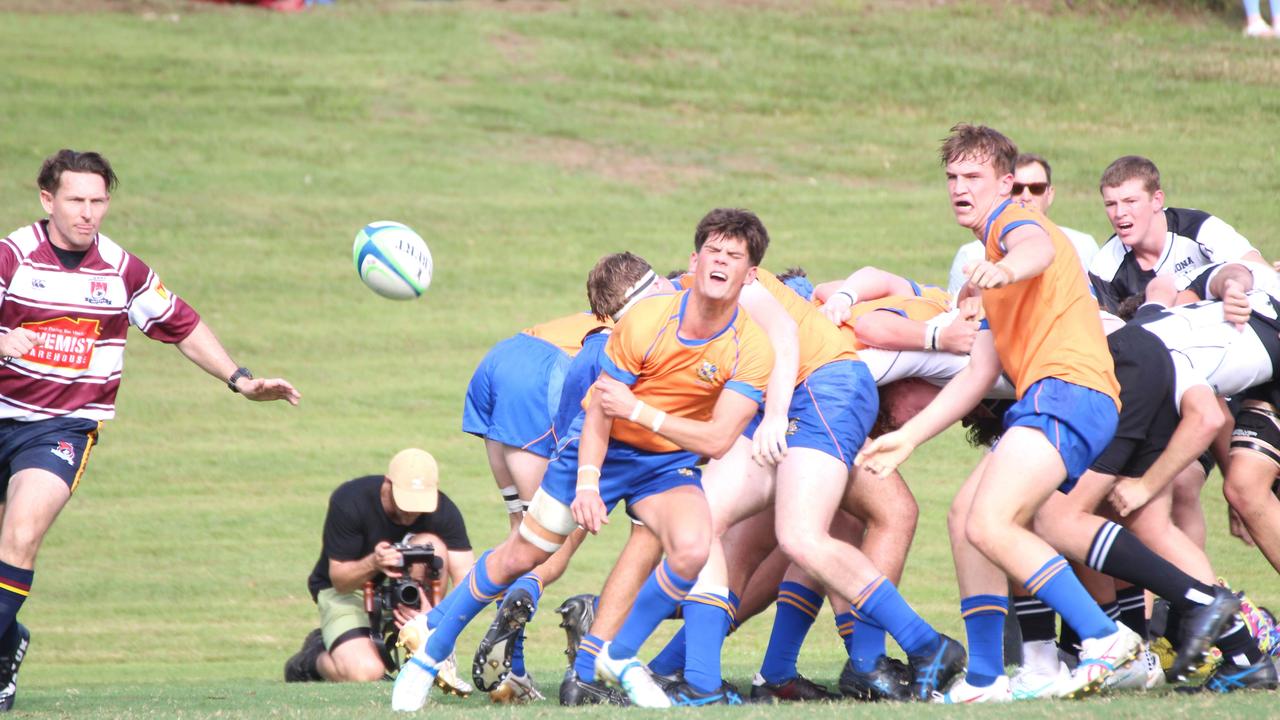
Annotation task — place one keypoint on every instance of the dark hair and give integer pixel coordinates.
(1026, 159)
(609, 280)
(1130, 167)
(675, 275)
(66, 160)
(979, 143)
(737, 224)
(1128, 306)
(985, 422)
(792, 272)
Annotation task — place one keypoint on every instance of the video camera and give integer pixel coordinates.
(404, 590)
(380, 601)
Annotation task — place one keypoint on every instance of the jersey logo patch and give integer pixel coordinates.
(66, 451)
(686, 472)
(63, 342)
(707, 373)
(793, 426)
(97, 293)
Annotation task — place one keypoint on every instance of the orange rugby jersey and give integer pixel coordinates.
(923, 308)
(567, 332)
(820, 341)
(682, 377)
(1047, 326)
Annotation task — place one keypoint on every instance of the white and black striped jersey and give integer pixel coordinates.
(1194, 239)
(1207, 350)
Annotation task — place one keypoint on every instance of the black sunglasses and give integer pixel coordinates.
(1036, 189)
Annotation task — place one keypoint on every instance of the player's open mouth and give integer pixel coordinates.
(717, 275)
(962, 204)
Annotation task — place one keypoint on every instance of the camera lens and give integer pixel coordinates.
(408, 594)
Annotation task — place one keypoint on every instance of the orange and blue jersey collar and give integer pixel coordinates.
(684, 301)
(986, 231)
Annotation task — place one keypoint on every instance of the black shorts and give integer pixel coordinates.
(1148, 415)
(1257, 430)
(59, 445)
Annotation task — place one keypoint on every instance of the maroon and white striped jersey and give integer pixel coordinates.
(82, 316)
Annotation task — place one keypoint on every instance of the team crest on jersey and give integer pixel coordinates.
(793, 426)
(685, 472)
(707, 373)
(63, 342)
(66, 451)
(161, 290)
(97, 293)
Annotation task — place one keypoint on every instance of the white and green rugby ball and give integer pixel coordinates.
(392, 260)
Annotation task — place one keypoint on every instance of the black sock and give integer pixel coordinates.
(1036, 620)
(1120, 554)
(1238, 646)
(1133, 609)
(1173, 627)
(1069, 641)
(1111, 609)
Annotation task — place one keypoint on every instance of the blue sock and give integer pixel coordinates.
(15, 585)
(1060, 589)
(880, 602)
(797, 608)
(735, 601)
(531, 583)
(706, 621)
(984, 624)
(661, 594)
(866, 643)
(584, 663)
(844, 627)
(671, 659)
(475, 592)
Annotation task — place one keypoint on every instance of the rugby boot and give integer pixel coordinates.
(684, 695)
(889, 680)
(493, 656)
(1230, 677)
(933, 672)
(1100, 658)
(515, 690)
(1034, 684)
(1141, 674)
(797, 689)
(962, 693)
(299, 668)
(9, 665)
(633, 677)
(576, 615)
(575, 691)
(667, 682)
(449, 681)
(1201, 627)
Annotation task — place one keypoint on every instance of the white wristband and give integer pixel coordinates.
(635, 411)
(658, 419)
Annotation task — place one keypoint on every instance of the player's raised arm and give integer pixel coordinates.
(1030, 252)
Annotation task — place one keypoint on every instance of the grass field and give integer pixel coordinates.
(523, 139)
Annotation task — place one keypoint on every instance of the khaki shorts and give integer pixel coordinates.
(340, 613)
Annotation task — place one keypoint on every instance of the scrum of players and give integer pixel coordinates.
(754, 425)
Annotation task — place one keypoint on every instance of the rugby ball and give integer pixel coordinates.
(392, 260)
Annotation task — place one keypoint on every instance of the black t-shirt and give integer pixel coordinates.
(356, 523)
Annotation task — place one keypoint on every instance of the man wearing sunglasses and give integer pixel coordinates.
(1033, 187)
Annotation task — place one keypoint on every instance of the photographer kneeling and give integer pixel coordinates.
(368, 575)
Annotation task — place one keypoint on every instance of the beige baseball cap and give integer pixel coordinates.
(415, 481)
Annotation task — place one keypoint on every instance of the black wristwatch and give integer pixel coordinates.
(241, 372)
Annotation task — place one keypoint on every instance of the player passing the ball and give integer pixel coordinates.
(68, 295)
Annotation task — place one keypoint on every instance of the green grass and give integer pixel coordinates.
(523, 140)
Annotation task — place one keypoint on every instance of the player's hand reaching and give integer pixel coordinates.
(1129, 495)
(837, 308)
(958, 337)
(265, 389)
(17, 342)
(986, 275)
(616, 399)
(884, 454)
(769, 442)
(1235, 304)
(589, 511)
